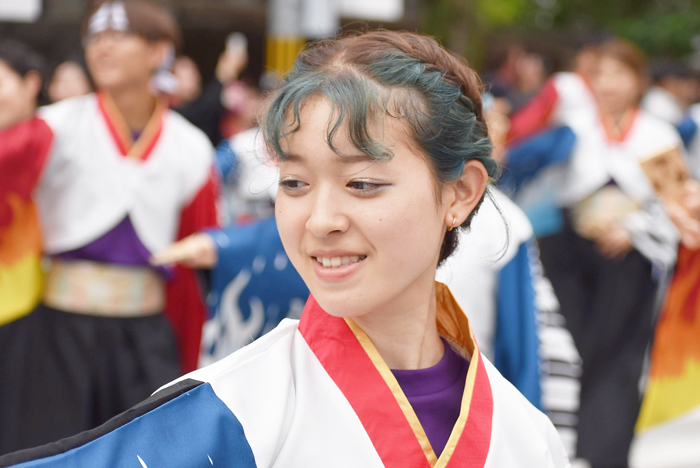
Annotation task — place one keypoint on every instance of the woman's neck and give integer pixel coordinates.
(619, 117)
(136, 105)
(406, 337)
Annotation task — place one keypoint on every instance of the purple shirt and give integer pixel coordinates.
(120, 246)
(435, 394)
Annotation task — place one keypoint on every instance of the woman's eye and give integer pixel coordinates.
(365, 187)
(291, 185)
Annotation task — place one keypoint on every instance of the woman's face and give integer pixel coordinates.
(364, 235)
(617, 86)
(118, 60)
(189, 80)
(17, 95)
(69, 80)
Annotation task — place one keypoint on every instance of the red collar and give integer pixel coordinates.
(351, 360)
(122, 136)
(619, 133)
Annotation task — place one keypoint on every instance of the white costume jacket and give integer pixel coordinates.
(315, 393)
(96, 175)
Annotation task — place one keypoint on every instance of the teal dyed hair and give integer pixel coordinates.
(406, 76)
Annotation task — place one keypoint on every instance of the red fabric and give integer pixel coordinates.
(534, 116)
(122, 145)
(473, 445)
(352, 370)
(23, 151)
(618, 134)
(150, 135)
(184, 301)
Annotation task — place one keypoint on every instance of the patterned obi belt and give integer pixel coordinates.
(104, 289)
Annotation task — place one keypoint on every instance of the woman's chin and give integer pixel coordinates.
(340, 305)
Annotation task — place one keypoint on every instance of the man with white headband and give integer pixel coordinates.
(125, 177)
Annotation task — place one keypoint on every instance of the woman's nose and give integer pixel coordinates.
(326, 216)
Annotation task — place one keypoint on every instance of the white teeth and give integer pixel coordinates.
(335, 262)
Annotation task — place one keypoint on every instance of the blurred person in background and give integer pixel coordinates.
(668, 428)
(674, 89)
(519, 76)
(204, 107)
(615, 245)
(565, 95)
(69, 79)
(506, 72)
(243, 104)
(189, 81)
(25, 141)
(531, 74)
(124, 178)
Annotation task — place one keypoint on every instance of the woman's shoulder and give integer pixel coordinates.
(265, 355)
(186, 131)
(654, 130)
(65, 113)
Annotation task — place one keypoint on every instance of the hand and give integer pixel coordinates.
(614, 243)
(231, 63)
(195, 251)
(688, 226)
(691, 198)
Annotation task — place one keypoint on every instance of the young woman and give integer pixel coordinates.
(384, 157)
(123, 178)
(616, 243)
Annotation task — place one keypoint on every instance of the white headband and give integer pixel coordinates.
(111, 15)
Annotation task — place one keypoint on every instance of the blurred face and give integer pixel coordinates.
(69, 80)
(617, 86)
(684, 89)
(531, 72)
(585, 62)
(17, 95)
(364, 235)
(189, 80)
(119, 60)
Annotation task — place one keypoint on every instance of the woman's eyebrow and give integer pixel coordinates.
(356, 158)
(292, 157)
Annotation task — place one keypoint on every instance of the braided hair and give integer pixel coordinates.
(402, 75)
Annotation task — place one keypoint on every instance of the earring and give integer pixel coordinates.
(454, 223)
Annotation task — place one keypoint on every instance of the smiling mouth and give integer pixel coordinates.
(337, 262)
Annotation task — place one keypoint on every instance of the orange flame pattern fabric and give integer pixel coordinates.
(674, 377)
(23, 151)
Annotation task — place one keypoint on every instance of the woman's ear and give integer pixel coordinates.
(467, 191)
(162, 51)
